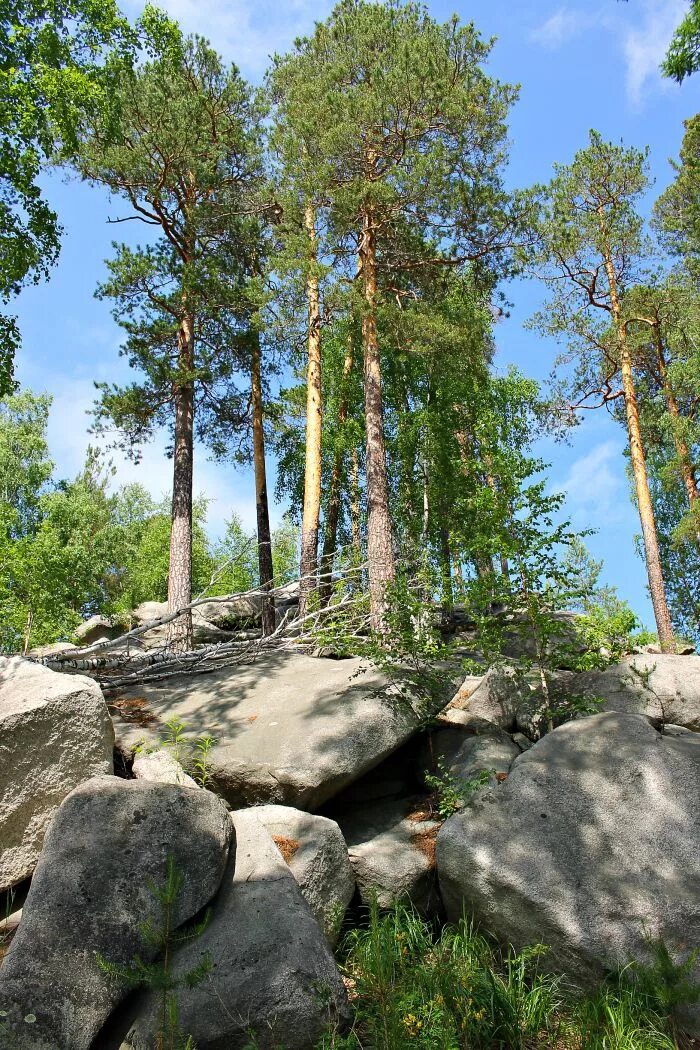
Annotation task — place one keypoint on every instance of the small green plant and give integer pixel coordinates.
(200, 768)
(162, 938)
(174, 739)
(193, 754)
(453, 793)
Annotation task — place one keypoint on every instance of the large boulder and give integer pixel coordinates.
(392, 853)
(55, 733)
(315, 850)
(590, 847)
(666, 688)
(464, 751)
(290, 728)
(98, 628)
(273, 980)
(106, 849)
(203, 632)
(497, 697)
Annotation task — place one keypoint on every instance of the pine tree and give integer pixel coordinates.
(184, 155)
(588, 249)
(401, 128)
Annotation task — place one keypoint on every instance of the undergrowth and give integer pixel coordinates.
(413, 987)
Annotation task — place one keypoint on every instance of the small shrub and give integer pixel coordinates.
(452, 793)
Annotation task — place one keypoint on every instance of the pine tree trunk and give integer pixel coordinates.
(314, 420)
(650, 538)
(682, 451)
(180, 567)
(446, 571)
(330, 537)
(355, 526)
(380, 553)
(261, 504)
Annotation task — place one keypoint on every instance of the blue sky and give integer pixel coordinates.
(579, 66)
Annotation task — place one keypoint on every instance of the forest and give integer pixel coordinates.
(320, 282)
(309, 276)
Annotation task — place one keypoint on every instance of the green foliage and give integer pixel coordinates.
(454, 793)
(192, 753)
(55, 68)
(161, 939)
(683, 55)
(414, 988)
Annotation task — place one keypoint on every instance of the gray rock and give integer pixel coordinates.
(392, 853)
(466, 750)
(97, 629)
(589, 847)
(315, 850)
(161, 767)
(497, 697)
(289, 728)
(108, 843)
(55, 733)
(524, 743)
(665, 688)
(273, 975)
(203, 632)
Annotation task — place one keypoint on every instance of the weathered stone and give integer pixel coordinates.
(289, 728)
(273, 980)
(203, 632)
(464, 751)
(108, 844)
(315, 850)
(392, 853)
(98, 629)
(590, 847)
(497, 697)
(55, 733)
(665, 688)
(161, 767)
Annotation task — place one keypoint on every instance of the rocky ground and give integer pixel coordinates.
(319, 793)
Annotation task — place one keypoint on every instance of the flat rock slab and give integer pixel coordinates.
(55, 733)
(290, 728)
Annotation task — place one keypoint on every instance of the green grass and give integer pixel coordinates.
(413, 988)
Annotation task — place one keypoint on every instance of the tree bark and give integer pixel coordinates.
(180, 568)
(380, 552)
(330, 538)
(314, 421)
(355, 527)
(261, 504)
(682, 451)
(650, 538)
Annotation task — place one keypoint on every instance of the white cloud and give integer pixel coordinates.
(644, 44)
(563, 25)
(595, 487)
(244, 31)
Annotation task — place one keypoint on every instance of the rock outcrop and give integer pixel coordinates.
(466, 750)
(290, 729)
(315, 850)
(107, 847)
(273, 980)
(55, 733)
(590, 847)
(666, 688)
